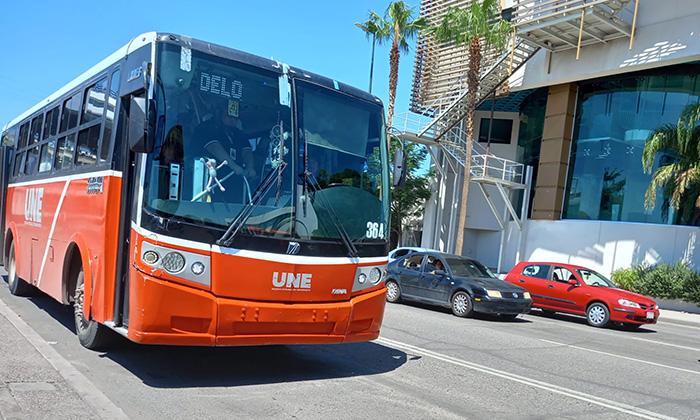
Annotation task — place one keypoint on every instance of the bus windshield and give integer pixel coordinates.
(224, 126)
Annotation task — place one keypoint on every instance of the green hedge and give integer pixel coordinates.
(663, 281)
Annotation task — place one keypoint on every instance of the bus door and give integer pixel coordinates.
(5, 160)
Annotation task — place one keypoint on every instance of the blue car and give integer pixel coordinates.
(462, 284)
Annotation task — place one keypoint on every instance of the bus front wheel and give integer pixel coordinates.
(91, 334)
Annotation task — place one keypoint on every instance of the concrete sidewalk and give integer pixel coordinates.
(36, 382)
(677, 317)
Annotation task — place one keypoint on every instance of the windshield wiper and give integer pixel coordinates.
(344, 236)
(247, 211)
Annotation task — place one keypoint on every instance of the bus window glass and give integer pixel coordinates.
(86, 149)
(71, 108)
(223, 132)
(47, 156)
(94, 104)
(64, 152)
(30, 167)
(35, 134)
(343, 137)
(109, 116)
(9, 137)
(23, 135)
(51, 125)
(19, 164)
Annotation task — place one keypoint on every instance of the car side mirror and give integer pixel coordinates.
(572, 282)
(399, 168)
(141, 124)
(440, 273)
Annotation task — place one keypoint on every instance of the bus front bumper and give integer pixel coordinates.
(162, 312)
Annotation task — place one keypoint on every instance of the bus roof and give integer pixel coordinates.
(150, 37)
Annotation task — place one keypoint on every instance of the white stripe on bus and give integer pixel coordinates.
(53, 227)
(258, 255)
(116, 174)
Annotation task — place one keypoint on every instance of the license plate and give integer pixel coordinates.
(650, 315)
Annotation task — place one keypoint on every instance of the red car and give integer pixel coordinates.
(578, 290)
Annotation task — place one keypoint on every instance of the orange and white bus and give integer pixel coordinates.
(185, 193)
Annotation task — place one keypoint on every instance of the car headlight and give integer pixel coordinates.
(629, 303)
(494, 293)
(527, 295)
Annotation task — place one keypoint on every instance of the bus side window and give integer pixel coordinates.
(86, 150)
(47, 156)
(19, 163)
(23, 135)
(64, 152)
(71, 108)
(32, 164)
(51, 124)
(35, 135)
(106, 145)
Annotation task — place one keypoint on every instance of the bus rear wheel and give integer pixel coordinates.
(18, 287)
(91, 334)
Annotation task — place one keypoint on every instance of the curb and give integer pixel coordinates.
(87, 391)
(679, 318)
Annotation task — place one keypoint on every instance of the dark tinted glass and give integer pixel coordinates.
(23, 135)
(539, 271)
(109, 116)
(32, 163)
(19, 163)
(88, 140)
(51, 125)
(35, 134)
(501, 131)
(94, 105)
(47, 155)
(65, 149)
(71, 109)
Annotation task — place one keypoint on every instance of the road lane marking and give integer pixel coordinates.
(567, 392)
(622, 357)
(665, 344)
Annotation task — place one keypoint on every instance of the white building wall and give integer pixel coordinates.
(604, 246)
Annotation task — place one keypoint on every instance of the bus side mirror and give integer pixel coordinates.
(141, 125)
(399, 168)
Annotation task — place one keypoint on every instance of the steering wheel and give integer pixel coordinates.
(595, 283)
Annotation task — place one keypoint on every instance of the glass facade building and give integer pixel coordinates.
(614, 118)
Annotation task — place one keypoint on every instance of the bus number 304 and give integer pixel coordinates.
(375, 230)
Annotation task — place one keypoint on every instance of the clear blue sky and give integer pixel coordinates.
(46, 44)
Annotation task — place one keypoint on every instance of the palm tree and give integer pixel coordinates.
(373, 29)
(397, 26)
(679, 180)
(480, 22)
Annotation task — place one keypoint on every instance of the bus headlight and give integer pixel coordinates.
(362, 278)
(150, 257)
(197, 268)
(173, 262)
(375, 275)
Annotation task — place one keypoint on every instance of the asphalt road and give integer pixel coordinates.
(426, 364)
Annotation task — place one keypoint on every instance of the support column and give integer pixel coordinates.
(554, 154)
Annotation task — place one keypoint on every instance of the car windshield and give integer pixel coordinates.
(468, 268)
(593, 278)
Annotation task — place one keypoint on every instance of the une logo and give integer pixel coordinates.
(291, 280)
(33, 204)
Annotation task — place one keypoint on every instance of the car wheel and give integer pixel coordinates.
(462, 305)
(393, 293)
(91, 334)
(508, 316)
(597, 315)
(18, 287)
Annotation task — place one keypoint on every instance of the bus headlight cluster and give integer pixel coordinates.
(366, 277)
(362, 278)
(176, 262)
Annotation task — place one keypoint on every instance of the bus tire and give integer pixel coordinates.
(91, 334)
(18, 287)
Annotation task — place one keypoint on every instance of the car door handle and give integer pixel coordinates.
(551, 286)
(521, 281)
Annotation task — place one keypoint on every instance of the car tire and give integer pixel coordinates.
(18, 287)
(393, 292)
(91, 334)
(462, 305)
(597, 315)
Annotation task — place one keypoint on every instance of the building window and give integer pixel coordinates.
(501, 131)
(614, 119)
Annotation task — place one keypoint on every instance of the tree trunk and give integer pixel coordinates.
(473, 73)
(393, 81)
(371, 65)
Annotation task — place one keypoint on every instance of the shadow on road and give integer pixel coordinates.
(477, 315)
(644, 329)
(191, 367)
